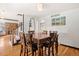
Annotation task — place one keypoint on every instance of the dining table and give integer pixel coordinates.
(40, 38)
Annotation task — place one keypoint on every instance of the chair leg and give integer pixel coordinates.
(56, 48)
(24, 50)
(42, 51)
(53, 49)
(45, 50)
(27, 52)
(32, 53)
(48, 51)
(21, 50)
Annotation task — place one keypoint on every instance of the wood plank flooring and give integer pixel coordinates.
(7, 50)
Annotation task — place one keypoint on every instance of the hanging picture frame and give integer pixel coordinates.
(58, 20)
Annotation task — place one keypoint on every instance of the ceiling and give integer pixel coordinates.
(10, 10)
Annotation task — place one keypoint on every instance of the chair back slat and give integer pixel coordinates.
(23, 38)
(54, 35)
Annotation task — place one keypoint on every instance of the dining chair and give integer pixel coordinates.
(33, 45)
(54, 36)
(46, 44)
(56, 42)
(49, 43)
(24, 46)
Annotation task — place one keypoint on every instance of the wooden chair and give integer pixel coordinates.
(56, 42)
(51, 42)
(30, 43)
(33, 45)
(48, 44)
(24, 46)
(54, 36)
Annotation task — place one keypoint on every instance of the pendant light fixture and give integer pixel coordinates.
(40, 6)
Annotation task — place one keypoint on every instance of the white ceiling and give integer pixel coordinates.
(12, 9)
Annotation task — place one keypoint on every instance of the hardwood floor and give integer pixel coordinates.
(7, 50)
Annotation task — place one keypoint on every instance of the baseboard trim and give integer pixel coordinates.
(70, 46)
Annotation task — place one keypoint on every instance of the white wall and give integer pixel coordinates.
(69, 33)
